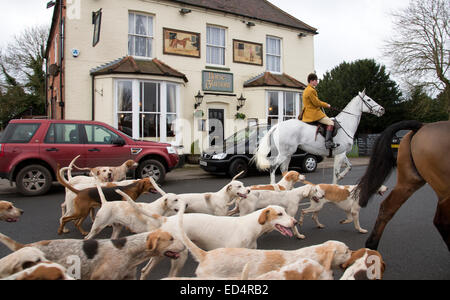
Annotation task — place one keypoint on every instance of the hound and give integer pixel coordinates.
(303, 269)
(42, 271)
(285, 184)
(89, 198)
(287, 199)
(215, 203)
(212, 232)
(8, 212)
(105, 259)
(344, 198)
(109, 174)
(364, 264)
(230, 262)
(20, 260)
(119, 213)
(80, 182)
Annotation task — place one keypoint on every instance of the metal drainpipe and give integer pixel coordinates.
(93, 96)
(61, 41)
(46, 88)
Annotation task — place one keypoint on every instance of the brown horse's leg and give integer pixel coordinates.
(442, 220)
(388, 208)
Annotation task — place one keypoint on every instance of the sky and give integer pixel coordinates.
(348, 29)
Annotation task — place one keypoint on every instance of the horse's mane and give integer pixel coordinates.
(382, 161)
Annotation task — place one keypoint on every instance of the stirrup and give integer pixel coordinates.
(334, 146)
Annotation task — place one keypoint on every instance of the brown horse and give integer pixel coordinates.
(423, 157)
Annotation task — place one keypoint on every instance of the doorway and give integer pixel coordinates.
(216, 127)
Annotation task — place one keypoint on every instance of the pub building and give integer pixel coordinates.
(186, 72)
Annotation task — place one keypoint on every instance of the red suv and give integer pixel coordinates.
(31, 149)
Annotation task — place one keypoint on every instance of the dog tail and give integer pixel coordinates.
(101, 194)
(63, 170)
(10, 243)
(245, 271)
(155, 217)
(156, 186)
(63, 181)
(198, 253)
(237, 176)
(71, 165)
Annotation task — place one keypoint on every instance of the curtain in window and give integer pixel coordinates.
(215, 45)
(289, 106)
(140, 35)
(273, 54)
(171, 110)
(125, 106)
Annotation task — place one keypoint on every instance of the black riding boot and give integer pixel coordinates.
(329, 144)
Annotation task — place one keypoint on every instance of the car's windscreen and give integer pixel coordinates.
(19, 133)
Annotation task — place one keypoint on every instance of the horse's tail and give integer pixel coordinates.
(260, 157)
(382, 161)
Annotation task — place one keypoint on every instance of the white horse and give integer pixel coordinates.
(287, 136)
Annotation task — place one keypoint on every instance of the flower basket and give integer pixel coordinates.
(240, 116)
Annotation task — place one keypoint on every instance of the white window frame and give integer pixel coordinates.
(281, 101)
(279, 55)
(150, 35)
(136, 110)
(208, 45)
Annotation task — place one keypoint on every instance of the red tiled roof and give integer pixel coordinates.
(261, 10)
(130, 65)
(275, 80)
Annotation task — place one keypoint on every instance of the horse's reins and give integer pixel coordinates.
(346, 112)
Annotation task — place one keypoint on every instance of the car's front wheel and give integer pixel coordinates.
(152, 168)
(34, 180)
(237, 166)
(309, 164)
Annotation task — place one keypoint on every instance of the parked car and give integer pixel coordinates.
(397, 139)
(31, 149)
(235, 155)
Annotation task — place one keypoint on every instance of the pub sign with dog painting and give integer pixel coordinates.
(184, 43)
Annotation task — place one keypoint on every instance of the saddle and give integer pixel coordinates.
(322, 128)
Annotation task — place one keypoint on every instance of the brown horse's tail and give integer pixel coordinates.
(382, 161)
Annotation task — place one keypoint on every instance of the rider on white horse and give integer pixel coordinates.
(312, 111)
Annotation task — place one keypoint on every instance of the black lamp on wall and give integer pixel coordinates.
(241, 102)
(198, 100)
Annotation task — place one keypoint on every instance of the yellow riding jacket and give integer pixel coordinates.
(312, 106)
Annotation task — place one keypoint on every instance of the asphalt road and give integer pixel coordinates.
(411, 246)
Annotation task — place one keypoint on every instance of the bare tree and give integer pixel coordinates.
(420, 46)
(23, 56)
(22, 75)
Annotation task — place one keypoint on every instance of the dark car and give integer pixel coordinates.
(397, 139)
(235, 155)
(30, 151)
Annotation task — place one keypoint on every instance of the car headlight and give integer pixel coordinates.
(219, 156)
(171, 150)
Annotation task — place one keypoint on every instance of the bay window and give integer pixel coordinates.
(147, 109)
(282, 105)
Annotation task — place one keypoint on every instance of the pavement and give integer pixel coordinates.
(190, 171)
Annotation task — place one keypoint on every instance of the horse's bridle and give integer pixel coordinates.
(370, 107)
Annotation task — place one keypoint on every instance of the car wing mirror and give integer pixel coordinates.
(118, 141)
